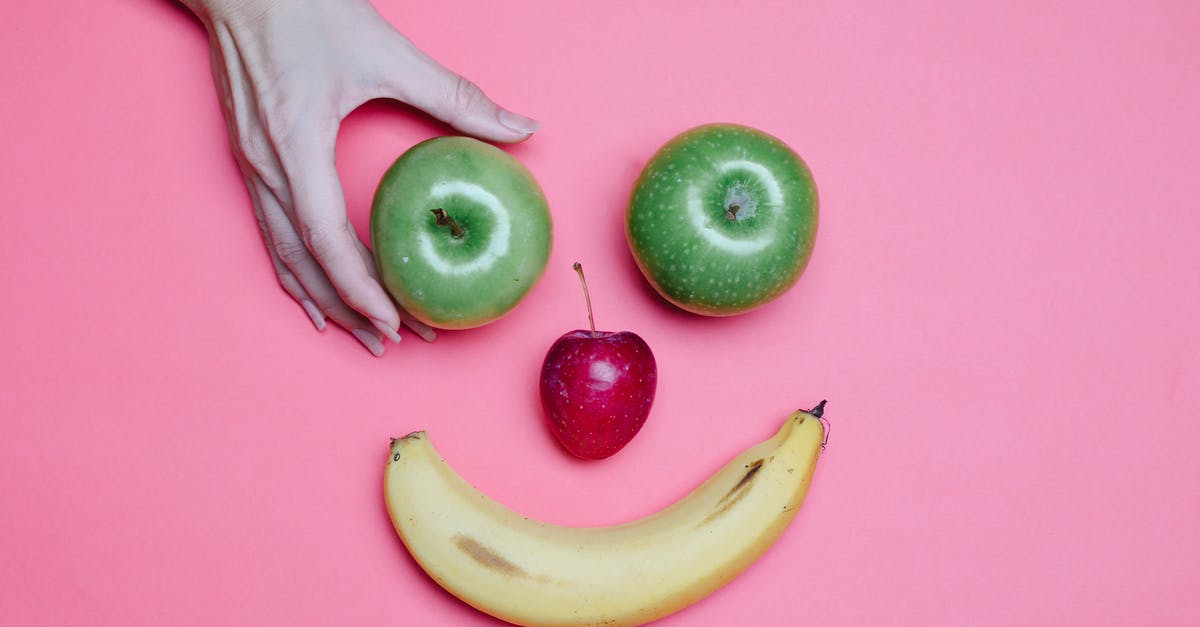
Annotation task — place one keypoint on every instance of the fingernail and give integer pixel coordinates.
(388, 331)
(369, 340)
(518, 123)
(423, 331)
(314, 314)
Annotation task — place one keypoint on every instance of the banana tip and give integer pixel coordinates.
(396, 443)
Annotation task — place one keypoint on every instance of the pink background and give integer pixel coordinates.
(1001, 310)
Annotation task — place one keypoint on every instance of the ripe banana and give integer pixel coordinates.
(533, 573)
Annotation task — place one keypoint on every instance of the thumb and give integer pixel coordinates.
(451, 98)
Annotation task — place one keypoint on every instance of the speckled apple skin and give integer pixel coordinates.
(687, 246)
(597, 389)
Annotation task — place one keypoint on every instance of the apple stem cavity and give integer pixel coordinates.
(739, 204)
(586, 299)
(444, 219)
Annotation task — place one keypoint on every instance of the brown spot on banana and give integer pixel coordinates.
(487, 557)
(752, 469)
(735, 494)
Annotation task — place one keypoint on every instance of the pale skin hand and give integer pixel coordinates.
(287, 73)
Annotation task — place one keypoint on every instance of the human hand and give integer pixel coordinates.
(287, 74)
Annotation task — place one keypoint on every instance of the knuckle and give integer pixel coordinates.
(282, 123)
(467, 97)
(290, 120)
(291, 252)
(256, 151)
(322, 240)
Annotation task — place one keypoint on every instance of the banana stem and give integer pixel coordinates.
(819, 412)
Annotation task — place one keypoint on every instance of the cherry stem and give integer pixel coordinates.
(444, 219)
(586, 299)
(732, 211)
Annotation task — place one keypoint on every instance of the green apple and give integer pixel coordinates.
(460, 230)
(722, 219)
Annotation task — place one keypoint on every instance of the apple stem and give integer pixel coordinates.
(444, 219)
(586, 299)
(732, 211)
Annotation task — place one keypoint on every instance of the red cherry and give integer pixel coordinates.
(597, 387)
